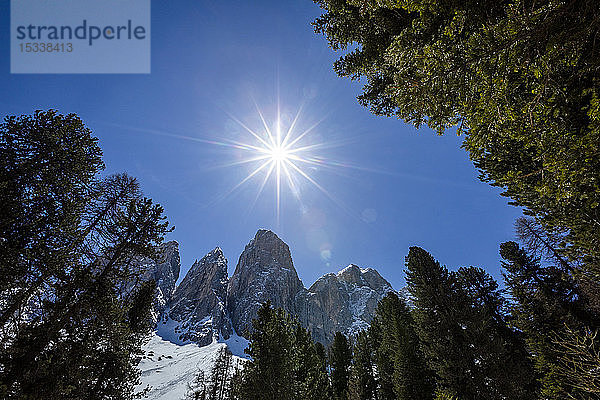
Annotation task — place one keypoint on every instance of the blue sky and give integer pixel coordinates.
(395, 186)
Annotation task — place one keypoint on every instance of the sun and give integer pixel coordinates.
(281, 155)
(289, 157)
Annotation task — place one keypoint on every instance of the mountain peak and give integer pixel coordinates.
(350, 269)
(209, 306)
(262, 232)
(353, 269)
(203, 321)
(214, 253)
(352, 274)
(265, 271)
(344, 301)
(267, 239)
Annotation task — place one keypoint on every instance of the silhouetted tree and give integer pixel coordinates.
(340, 358)
(73, 315)
(285, 363)
(402, 372)
(546, 302)
(362, 384)
(460, 322)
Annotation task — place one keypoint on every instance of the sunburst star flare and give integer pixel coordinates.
(279, 155)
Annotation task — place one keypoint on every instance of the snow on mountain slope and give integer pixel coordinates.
(208, 306)
(265, 271)
(167, 367)
(344, 302)
(203, 313)
(198, 303)
(236, 345)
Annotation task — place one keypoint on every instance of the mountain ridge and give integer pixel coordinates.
(209, 306)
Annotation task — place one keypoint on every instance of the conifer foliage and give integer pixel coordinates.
(340, 358)
(460, 320)
(72, 315)
(518, 78)
(401, 367)
(285, 363)
(460, 338)
(549, 307)
(219, 385)
(362, 385)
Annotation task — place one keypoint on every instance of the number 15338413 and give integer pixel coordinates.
(49, 47)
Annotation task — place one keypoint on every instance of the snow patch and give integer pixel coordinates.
(236, 344)
(168, 330)
(168, 367)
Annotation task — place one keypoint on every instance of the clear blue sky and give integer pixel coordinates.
(211, 60)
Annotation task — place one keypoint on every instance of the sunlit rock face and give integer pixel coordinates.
(198, 306)
(343, 302)
(265, 271)
(207, 306)
(164, 270)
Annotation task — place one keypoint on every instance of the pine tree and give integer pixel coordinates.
(198, 388)
(362, 384)
(429, 285)
(73, 318)
(310, 378)
(237, 382)
(579, 361)
(460, 322)
(221, 375)
(48, 162)
(340, 359)
(383, 358)
(324, 386)
(269, 374)
(484, 314)
(518, 78)
(546, 300)
(285, 362)
(402, 372)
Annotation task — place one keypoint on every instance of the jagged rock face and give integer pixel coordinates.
(207, 305)
(264, 272)
(164, 271)
(198, 305)
(343, 302)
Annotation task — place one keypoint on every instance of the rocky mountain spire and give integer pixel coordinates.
(343, 302)
(207, 305)
(164, 271)
(199, 302)
(265, 271)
